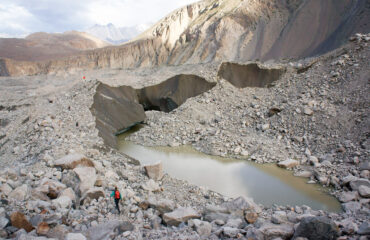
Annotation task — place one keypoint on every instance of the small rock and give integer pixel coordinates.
(234, 223)
(349, 226)
(364, 229)
(364, 166)
(19, 220)
(43, 229)
(20, 193)
(351, 207)
(313, 160)
(308, 111)
(290, 163)
(5, 189)
(251, 217)
(279, 217)
(68, 193)
(265, 127)
(230, 232)
(305, 174)
(364, 191)
(63, 202)
(75, 236)
(203, 228)
(3, 222)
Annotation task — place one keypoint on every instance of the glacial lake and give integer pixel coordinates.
(265, 183)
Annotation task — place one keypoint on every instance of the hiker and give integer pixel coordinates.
(117, 196)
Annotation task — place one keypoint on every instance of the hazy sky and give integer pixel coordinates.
(21, 17)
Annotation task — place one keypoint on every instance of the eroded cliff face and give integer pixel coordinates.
(227, 30)
(116, 109)
(249, 75)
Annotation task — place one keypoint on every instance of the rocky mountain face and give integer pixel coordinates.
(45, 46)
(233, 30)
(114, 35)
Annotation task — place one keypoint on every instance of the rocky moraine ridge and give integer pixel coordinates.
(312, 119)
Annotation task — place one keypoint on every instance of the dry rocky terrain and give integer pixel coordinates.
(314, 120)
(300, 109)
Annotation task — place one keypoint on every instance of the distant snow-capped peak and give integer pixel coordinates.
(114, 35)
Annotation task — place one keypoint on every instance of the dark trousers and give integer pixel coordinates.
(117, 204)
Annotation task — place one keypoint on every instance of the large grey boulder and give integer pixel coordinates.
(241, 204)
(271, 231)
(355, 184)
(180, 215)
(50, 188)
(73, 160)
(162, 205)
(108, 230)
(154, 171)
(318, 228)
(87, 176)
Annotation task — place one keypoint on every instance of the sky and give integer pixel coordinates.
(19, 18)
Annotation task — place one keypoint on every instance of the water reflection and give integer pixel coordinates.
(266, 184)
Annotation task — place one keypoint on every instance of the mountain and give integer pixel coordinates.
(115, 35)
(44, 46)
(225, 30)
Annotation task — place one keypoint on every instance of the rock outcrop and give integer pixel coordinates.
(249, 75)
(117, 109)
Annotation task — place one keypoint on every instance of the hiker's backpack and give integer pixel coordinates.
(117, 195)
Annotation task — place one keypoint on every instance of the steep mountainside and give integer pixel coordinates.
(44, 46)
(219, 30)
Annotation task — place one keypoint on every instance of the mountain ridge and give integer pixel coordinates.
(41, 46)
(225, 30)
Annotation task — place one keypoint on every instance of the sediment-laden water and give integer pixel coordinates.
(265, 183)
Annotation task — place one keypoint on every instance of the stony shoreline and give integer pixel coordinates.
(45, 121)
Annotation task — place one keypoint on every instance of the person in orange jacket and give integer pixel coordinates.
(117, 196)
